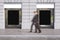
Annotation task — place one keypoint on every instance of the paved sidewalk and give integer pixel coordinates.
(24, 34)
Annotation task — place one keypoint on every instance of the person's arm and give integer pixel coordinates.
(33, 18)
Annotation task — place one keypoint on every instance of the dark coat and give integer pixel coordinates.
(35, 19)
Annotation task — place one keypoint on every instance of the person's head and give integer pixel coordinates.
(35, 12)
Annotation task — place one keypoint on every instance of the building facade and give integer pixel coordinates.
(28, 6)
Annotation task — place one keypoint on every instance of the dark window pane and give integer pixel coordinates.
(13, 17)
(44, 16)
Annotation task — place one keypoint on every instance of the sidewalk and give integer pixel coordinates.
(24, 34)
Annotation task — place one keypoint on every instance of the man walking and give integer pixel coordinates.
(35, 21)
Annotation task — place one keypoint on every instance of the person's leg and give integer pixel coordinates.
(31, 27)
(35, 28)
(38, 27)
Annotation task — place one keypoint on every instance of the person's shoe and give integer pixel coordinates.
(40, 31)
(35, 32)
(30, 31)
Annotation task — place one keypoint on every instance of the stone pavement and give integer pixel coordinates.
(24, 34)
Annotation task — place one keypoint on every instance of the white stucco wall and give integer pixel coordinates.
(57, 14)
(28, 6)
(2, 21)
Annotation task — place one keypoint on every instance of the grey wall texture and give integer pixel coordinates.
(28, 6)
